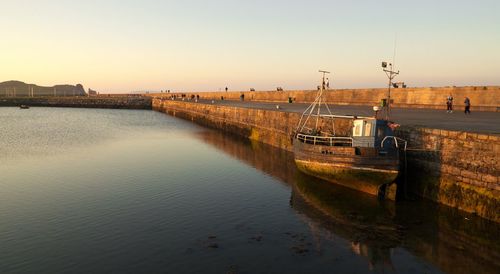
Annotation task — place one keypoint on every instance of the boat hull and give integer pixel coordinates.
(362, 169)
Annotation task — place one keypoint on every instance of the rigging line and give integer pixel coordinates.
(310, 109)
(313, 105)
(394, 54)
(302, 117)
(319, 110)
(333, 121)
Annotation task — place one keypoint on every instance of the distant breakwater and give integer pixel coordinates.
(112, 102)
(458, 169)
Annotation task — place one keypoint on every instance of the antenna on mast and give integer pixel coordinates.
(395, 44)
(391, 74)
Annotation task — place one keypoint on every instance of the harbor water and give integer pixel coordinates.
(136, 191)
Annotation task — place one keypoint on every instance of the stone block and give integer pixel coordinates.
(444, 133)
(490, 179)
(496, 149)
(494, 138)
(436, 132)
(495, 187)
(464, 180)
(455, 171)
(427, 130)
(448, 169)
(482, 137)
(478, 183)
(468, 174)
(472, 136)
(453, 134)
(468, 145)
(462, 136)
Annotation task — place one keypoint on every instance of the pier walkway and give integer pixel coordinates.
(478, 122)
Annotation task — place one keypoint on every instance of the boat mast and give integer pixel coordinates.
(391, 74)
(320, 95)
(310, 111)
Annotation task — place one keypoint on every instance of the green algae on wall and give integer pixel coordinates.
(459, 169)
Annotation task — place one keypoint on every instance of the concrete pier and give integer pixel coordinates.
(456, 168)
(483, 98)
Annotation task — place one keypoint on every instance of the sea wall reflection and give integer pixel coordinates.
(450, 240)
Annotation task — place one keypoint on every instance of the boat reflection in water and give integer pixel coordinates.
(451, 241)
(363, 221)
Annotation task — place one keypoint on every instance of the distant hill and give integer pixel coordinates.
(21, 89)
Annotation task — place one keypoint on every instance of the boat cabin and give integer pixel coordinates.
(369, 132)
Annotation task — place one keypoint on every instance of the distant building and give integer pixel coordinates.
(92, 92)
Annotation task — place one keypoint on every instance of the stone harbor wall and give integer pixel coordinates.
(271, 127)
(458, 169)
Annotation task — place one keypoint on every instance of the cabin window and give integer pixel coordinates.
(357, 130)
(368, 129)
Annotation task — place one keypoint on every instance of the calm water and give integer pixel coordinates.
(99, 191)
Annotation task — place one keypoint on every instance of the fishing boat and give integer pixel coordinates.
(355, 151)
(24, 107)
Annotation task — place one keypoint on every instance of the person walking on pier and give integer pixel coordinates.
(327, 83)
(449, 104)
(467, 105)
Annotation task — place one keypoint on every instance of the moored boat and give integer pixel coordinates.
(364, 157)
(24, 107)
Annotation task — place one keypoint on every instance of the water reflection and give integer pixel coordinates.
(452, 241)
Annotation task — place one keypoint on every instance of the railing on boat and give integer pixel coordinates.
(397, 140)
(324, 140)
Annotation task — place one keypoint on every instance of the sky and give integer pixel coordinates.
(200, 45)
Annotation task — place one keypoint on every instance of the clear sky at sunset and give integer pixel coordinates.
(121, 46)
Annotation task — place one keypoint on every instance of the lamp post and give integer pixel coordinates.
(391, 74)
